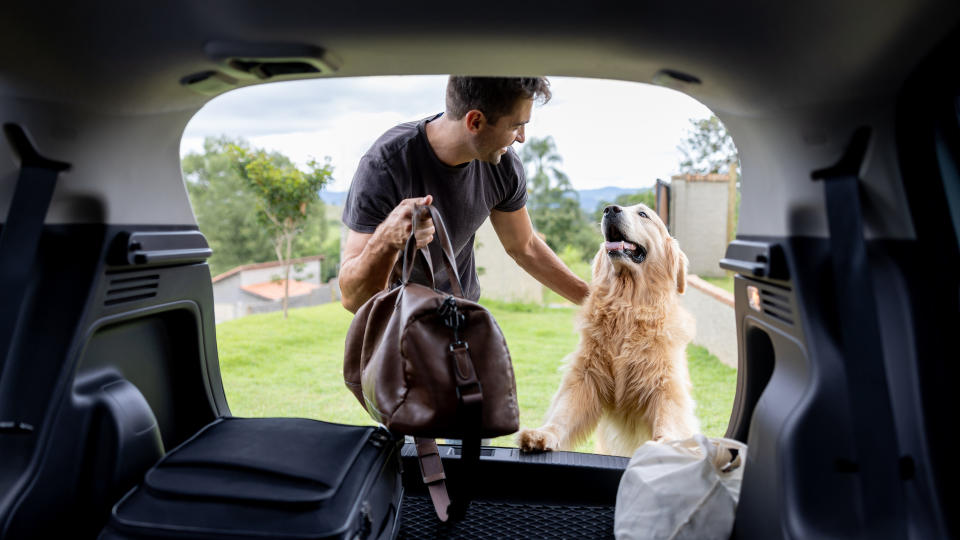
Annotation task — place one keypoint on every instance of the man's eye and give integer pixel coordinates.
(643, 214)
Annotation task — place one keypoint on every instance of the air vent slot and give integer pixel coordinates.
(776, 305)
(131, 289)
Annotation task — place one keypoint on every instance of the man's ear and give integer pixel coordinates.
(475, 120)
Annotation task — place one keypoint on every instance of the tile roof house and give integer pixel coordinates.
(258, 288)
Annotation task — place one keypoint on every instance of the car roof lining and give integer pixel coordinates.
(753, 58)
(791, 82)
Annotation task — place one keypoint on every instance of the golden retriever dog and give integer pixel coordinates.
(628, 376)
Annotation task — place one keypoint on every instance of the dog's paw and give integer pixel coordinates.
(536, 440)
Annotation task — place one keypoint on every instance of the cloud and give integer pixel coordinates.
(610, 133)
(299, 106)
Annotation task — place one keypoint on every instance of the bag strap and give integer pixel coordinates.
(470, 402)
(431, 469)
(469, 390)
(446, 249)
(410, 253)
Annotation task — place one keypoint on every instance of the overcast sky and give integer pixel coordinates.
(609, 133)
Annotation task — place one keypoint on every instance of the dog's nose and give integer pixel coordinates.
(612, 208)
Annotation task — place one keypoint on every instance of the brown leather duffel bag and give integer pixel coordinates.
(431, 364)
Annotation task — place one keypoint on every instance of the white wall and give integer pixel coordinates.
(259, 275)
(501, 278)
(698, 215)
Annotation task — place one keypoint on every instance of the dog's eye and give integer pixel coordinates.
(643, 214)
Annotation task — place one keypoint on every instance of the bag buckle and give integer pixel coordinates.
(470, 393)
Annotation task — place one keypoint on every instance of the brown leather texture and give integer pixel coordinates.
(399, 363)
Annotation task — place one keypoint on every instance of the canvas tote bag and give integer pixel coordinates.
(431, 364)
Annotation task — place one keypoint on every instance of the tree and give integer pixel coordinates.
(553, 203)
(225, 208)
(708, 148)
(222, 203)
(284, 193)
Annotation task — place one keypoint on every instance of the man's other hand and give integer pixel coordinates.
(396, 228)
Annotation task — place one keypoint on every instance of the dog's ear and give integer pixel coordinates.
(598, 261)
(679, 264)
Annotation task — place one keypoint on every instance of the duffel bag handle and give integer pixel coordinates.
(441, 236)
(410, 252)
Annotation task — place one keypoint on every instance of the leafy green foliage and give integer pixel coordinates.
(226, 209)
(553, 204)
(708, 148)
(283, 194)
(222, 204)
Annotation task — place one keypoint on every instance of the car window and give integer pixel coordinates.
(596, 143)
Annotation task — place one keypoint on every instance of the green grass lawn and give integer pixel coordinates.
(725, 283)
(294, 367)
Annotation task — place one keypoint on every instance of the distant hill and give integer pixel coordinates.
(589, 198)
(334, 198)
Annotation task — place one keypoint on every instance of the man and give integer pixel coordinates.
(461, 162)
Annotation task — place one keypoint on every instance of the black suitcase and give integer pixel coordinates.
(268, 478)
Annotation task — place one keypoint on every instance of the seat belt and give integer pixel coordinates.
(21, 232)
(878, 458)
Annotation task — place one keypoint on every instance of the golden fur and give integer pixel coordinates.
(628, 376)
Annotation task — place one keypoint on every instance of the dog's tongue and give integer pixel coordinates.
(619, 246)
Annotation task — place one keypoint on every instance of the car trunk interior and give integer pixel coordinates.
(108, 355)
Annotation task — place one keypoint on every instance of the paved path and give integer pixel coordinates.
(712, 307)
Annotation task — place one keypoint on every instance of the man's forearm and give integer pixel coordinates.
(542, 263)
(365, 275)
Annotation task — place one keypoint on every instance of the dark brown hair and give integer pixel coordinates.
(493, 96)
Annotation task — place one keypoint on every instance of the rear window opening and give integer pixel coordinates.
(597, 142)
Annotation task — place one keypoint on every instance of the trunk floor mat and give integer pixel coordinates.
(500, 519)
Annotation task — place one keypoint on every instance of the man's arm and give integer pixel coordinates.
(368, 258)
(535, 256)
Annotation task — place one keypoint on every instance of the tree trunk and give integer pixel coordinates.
(286, 273)
(278, 247)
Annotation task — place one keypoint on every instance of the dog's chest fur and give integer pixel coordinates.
(637, 350)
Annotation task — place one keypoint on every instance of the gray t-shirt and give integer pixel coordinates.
(401, 164)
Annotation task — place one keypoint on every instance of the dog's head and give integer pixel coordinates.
(637, 245)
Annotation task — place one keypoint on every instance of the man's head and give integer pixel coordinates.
(494, 110)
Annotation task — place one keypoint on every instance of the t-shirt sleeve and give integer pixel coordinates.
(515, 188)
(372, 196)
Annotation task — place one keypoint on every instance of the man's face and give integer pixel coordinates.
(494, 139)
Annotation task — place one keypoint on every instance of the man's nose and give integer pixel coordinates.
(521, 136)
(612, 208)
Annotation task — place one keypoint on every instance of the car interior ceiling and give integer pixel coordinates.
(107, 91)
